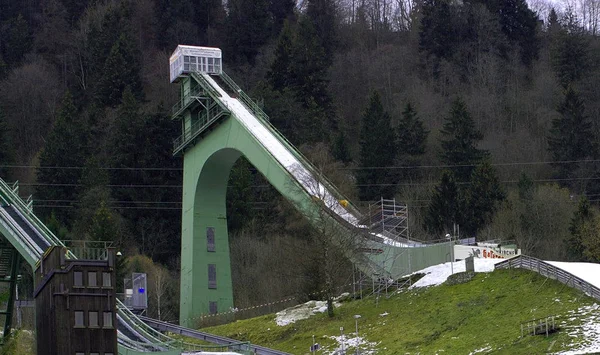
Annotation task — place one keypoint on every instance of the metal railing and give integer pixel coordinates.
(553, 272)
(9, 195)
(189, 97)
(234, 345)
(89, 250)
(198, 127)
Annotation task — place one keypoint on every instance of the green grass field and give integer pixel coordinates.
(482, 315)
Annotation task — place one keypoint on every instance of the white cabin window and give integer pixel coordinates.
(211, 66)
(186, 62)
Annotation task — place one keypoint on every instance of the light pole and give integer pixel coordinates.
(356, 316)
(451, 254)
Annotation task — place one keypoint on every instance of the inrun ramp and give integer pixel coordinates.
(220, 123)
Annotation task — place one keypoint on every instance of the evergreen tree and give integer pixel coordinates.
(571, 137)
(519, 25)
(64, 152)
(6, 148)
(248, 28)
(286, 112)
(279, 75)
(580, 227)
(300, 67)
(437, 36)
(104, 228)
(17, 41)
(340, 149)
(75, 9)
(309, 82)
(281, 10)
(444, 208)
(322, 15)
(101, 40)
(3, 67)
(412, 135)
(459, 141)
(412, 140)
(239, 195)
(553, 26)
(377, 149)
(126, 142)
(483, 196)
(526, 187)
(210, 19)
(570, 50)
(121, 69)
(141, 140)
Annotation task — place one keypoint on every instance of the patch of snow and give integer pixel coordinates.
(586, 338)
(481, 350)
(344, 344)
(438, 274)
(301, 311)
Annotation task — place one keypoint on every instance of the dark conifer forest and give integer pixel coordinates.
(478, 113)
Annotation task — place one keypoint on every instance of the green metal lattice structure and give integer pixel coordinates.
(219, 124)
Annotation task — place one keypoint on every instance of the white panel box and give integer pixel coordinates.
(188, 59)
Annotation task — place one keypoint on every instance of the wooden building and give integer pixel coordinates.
(75, 305)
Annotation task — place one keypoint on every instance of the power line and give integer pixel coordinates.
(358, 185)
(439, 166)
(115, 207)
(445, 166)
(84, 167)
(124, 202)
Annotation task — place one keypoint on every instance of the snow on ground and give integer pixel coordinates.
(301, 311)
(586, 271)
(481, 350)
(345, 344)
(438, 274)
(586, 337)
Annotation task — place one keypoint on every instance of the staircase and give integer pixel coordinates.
(5, 262)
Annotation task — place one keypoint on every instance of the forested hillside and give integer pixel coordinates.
(481, 113)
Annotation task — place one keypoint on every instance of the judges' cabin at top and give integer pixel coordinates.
(188, 59)
(196, 109)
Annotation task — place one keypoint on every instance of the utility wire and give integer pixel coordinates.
(439, 166)
(358, 185)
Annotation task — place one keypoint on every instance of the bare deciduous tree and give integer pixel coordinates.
(334, 238)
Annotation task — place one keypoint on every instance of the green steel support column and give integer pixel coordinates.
(206, 172)
(205, 188)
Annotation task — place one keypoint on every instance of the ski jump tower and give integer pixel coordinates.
(219, 124)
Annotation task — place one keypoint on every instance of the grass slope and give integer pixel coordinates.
(484, 313)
